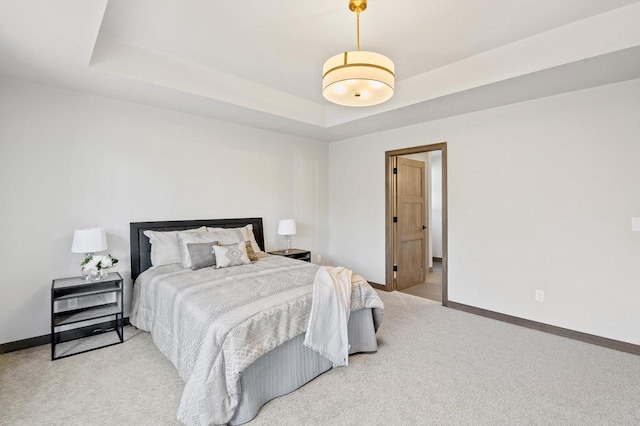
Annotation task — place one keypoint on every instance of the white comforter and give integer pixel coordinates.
(213, 323)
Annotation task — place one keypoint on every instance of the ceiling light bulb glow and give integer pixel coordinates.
(339, 89)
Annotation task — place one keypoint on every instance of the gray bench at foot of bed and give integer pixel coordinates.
(291, 365)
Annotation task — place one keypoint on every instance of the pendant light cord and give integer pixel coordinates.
(358, 28)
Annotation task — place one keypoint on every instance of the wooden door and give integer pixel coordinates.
(410, 230)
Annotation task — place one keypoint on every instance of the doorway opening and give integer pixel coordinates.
(416, 221)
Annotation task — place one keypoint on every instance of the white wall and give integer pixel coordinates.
(540, 197)
(69, 161)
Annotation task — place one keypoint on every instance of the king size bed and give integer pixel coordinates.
(235, 334)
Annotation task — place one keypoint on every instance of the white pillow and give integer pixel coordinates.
(165, 249)
(227, 236)
(185, 238)
(247, 235)
(233, 255)
(252, 238)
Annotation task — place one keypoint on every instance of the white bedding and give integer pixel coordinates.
(213, 323)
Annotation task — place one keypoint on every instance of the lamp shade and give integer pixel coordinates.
(90, 240)
(287, 227)
(358, 79)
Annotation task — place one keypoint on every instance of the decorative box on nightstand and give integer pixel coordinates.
(75, 302)
(294, 254)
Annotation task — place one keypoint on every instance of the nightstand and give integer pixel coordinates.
(75, 301)
(294, 254)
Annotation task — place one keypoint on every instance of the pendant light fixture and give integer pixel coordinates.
(358, 78)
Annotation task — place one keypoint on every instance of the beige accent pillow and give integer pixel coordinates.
(252, 254)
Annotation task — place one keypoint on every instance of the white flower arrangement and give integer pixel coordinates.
(98, 262)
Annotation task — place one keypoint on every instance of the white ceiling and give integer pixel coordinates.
(259, 63)
(283, 44)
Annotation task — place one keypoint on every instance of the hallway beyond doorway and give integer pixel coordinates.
(431, 288)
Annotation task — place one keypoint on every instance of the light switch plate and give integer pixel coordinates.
(635, 224)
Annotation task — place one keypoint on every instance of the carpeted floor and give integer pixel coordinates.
(434, 366)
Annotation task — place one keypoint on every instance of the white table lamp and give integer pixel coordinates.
(287, 227)
(89, 241)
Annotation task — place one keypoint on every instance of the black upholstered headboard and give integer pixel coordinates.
(141, 248)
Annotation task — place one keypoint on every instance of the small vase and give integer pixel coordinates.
(98, 274)
(85, 273)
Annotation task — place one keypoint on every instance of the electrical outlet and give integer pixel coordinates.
(72, 303)
(635, 224)
(318, 258)
(539, 296)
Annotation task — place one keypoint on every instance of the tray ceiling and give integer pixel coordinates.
(259, 63)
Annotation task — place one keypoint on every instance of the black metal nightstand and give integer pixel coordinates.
(294, 254)
(74, 301)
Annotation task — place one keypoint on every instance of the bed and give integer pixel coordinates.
(235, 334)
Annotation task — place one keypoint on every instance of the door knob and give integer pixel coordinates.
(424, 227)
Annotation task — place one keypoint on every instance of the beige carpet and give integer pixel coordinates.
(434, 366)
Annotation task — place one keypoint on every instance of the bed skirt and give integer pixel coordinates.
(291, 365)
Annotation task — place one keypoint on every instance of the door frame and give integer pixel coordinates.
(390, 208)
